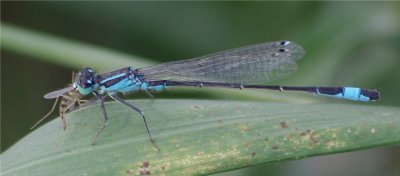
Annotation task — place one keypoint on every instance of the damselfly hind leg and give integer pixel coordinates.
(116, 98)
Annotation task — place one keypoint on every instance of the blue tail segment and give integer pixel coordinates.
(350, 93)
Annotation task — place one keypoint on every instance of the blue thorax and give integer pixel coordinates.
(123, 80)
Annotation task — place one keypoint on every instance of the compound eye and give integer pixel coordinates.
(86, 70)
(86, 78)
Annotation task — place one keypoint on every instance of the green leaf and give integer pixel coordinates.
(198, 137)
(64, 51)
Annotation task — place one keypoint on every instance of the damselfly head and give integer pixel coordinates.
(85, 81)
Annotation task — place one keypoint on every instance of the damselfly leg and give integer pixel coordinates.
(116, 98)
(122, 101)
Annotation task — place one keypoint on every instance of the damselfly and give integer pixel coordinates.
(236, 68)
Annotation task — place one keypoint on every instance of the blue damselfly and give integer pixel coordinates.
(239, 68)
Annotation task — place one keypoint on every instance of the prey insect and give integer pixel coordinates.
(240, 68)
(68, 103)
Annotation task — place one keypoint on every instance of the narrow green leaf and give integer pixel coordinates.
(64, 51)
(198, 137)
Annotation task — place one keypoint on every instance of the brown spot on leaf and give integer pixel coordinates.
(195, 107)
(314, 137)
(283, 125)
(253, 154)
(145, 164)
(143, 172)
(275, 147)
(144, 168)
(309, 135)
(302, 133)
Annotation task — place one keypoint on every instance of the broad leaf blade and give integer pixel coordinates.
(198, 137)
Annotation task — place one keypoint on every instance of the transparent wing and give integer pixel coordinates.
(255, 63)
(58, 93)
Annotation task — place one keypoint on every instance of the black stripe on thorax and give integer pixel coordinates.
(99, 78)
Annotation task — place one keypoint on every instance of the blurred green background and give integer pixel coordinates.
(346, 43)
